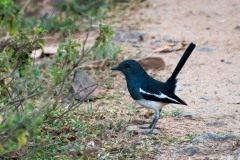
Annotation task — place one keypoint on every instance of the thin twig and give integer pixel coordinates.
(19, 100)
(74, 66)
(76, 105)
(16, 107)
(36, 87)
(17, 48)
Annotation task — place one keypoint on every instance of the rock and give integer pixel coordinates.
(135, 35)
(215, 123)
(230, 157)
(189, 150)
(206, 98)
(152, 63)
(155, 43)
(205, 49)
(237, 27)
(36, 53)
(228, 62)
(237, 151)
(141, 37)
(190, 115)
(82, 86)
(211, 136)
(119, 35)
(132, 36)
(169, 38)
(133, 41)
(50, 50)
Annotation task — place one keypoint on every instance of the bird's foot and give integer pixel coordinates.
(151, 131)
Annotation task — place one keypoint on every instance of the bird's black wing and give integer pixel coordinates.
(157, 91)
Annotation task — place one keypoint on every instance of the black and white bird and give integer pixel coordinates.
(149, 92)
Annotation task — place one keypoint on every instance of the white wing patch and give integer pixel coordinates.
(161, 96)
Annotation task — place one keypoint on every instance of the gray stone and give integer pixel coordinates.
(205, 49)
(189, 150)
(230, 157)
(190, 115)
(119, 35)
(83, 86)
(237, 151)
(211, 136)
(215, 123)
(206, 98)
(156, 42)
(169, 38)
(136, 35)
(237, 27)
(132, 36)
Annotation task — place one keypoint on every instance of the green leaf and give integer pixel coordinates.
(22, 139)
(1, 149)
(41, 30)
(11, 145)
(42, 42)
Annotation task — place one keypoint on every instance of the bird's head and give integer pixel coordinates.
(129, 68)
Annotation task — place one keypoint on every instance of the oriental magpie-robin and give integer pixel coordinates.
(149, 92)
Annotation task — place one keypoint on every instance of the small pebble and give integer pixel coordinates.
(228, 62)
(206, 98)
(211, 136)
(206, 49)
(215, 123)
(189, 150)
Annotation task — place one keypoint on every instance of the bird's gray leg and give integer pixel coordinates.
(150, 126)
(154, 123)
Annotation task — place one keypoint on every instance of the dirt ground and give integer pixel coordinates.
(209, 81)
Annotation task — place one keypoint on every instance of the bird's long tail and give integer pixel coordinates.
(182, 61)
(172, 80)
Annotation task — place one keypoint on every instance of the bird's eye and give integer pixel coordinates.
(127, 66)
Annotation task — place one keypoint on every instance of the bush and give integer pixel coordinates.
(34, 96)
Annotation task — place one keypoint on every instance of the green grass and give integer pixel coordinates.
(174, 112)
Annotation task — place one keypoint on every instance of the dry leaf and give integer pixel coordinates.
(170, 47)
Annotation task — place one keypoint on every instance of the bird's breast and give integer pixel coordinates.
(151, 104)
(133, 88)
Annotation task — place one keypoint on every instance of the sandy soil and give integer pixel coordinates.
(211, 24)
(211, 73)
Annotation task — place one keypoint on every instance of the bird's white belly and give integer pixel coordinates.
(151, 104)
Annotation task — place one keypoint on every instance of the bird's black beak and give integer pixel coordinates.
(115, 68)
